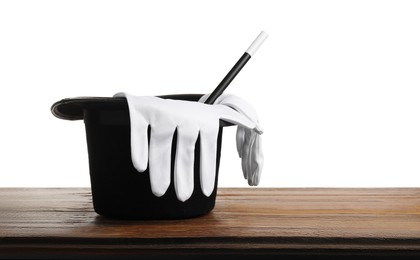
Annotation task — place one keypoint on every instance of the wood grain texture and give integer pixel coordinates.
(44, 223)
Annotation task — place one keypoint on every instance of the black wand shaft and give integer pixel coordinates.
(237, 68)
(228, 78)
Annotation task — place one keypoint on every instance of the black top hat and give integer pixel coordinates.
(118, 190)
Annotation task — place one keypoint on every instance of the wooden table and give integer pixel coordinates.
(60, 223)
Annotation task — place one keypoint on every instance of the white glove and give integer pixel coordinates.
(189, 119)
(248, 140)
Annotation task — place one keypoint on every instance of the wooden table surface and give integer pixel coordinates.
(48, 223)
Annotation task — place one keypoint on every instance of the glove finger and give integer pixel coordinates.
(256, 159)
(160, 158)
(259, 158)
(184, 161)
(251, 163)
(249, 156)
(208, 151)
(139, 143)
(138, 134)
(245, 154)
(240, 136)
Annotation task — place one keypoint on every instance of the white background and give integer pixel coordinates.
(336, 84)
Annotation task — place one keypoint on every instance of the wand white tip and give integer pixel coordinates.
(257, 43)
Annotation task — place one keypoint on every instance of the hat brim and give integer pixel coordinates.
(73, 108)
